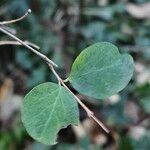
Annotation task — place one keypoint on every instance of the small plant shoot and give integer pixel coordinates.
(99, 72)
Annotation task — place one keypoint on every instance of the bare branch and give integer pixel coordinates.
(51, 64)
(17, 43)
(11, 30)
(32, 44)
(16, 20)
(45, 58)
(99, 123)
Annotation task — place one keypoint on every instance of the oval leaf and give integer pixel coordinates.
(101, 71)
(46, 109)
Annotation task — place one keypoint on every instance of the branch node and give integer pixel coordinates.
(29, 11)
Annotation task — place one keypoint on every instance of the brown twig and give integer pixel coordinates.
(16, 20)
(88, 111)
(17, 43)
(51, 64)
(45, 58)
(11, 30)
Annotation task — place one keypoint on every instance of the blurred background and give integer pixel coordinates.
(62, 29)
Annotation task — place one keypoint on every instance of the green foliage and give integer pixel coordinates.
(125, 143)
(143, 143)
(22, 58)
(94, 31)
(145, 102)
(94, 21)
(48, 7)
(46, 109)
(37, 76)
(101, 71)
(144, 96)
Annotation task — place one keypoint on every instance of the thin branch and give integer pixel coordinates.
(32, 44)
(88, 111)
(45, 58)
(51, 64)
(17, 43)
(11, 30)
(16, 20)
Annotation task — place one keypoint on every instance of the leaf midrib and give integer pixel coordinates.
(99, 70)
(45, 108)
(49, 118)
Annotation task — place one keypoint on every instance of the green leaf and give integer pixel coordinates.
(101, 71)
(47, 108)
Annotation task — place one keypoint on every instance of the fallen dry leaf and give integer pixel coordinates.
(5, 89)
(9, 103)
